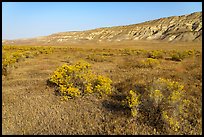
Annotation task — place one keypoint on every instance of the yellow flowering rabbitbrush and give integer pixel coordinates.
(164, 100)
(77, 80)
(103, 84)
(149, 62)
(133, 102)
(13, 54)
(170, 93)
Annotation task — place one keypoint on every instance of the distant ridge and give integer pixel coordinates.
(183, 28)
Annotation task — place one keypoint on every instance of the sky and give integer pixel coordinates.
(33, 19)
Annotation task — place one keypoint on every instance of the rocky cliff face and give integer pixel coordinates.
(175, 28)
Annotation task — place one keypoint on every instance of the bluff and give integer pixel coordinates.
(175, 28)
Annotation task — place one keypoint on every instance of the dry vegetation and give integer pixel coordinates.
(146, 88)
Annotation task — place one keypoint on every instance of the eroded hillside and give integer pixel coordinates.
(176, 28)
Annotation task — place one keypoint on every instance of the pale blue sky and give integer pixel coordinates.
(32, 19)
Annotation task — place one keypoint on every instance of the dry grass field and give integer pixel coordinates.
(31, 106)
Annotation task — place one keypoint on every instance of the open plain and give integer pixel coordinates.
(30, 105)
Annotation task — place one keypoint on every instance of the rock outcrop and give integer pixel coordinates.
(175, 28)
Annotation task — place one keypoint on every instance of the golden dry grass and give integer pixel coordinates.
(30, 106)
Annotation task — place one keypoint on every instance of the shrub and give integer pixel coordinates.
(96, 58)
(190, 52)
(76, 80)
(132, 63)
(180, 55)
(6, 64)
(149, 62)
(107, 54)
(13, 54)
(168, 97)
(127, 52)
(47, 50)
(28, 54)
(155, 54)
(102, 84)
(133, 101)
(164, 103)
(177, 56)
